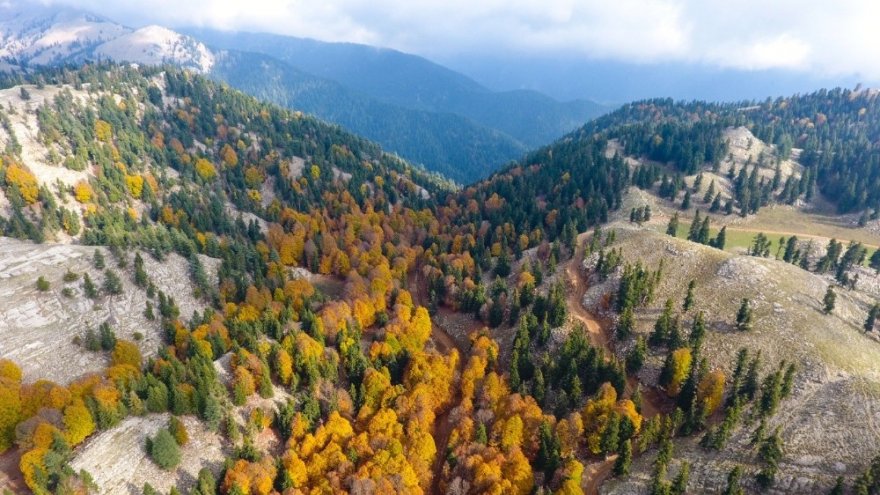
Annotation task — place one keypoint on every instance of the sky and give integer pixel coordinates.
(829, 38)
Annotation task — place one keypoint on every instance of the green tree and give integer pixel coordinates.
(623, 463)
(733, 482)
(672, 228)
(744, 316)
(689, 297)
(829, 300)
(112, 284)
(42, 284)
(164, 450)
(872, 317)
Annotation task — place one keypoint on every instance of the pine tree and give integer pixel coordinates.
(635, 358)
(875, 261)
(610, 435)
(689, 297)
(872, 317)
(694, 232)
(98, 259)
(744, 316)
(829, 300)
(838, 487)
(733, 482)
(721, 239)
(672, 227)
(710, 193)
(623, 462)
(686, 202)
(679, 484)
(703, 235)
(164, 450)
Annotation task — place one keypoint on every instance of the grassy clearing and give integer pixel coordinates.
(739, 239)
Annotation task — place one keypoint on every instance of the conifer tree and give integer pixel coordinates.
(623, 462)
(829, 300)
(744, 316)
(672, 228)
(689, 297)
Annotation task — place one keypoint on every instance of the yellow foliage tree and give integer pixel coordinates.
(103, 130)
(205, 169)
(135, 185)
(78, 422)
(24, 181)
(126, 352)
(710, 391)
(83, 192)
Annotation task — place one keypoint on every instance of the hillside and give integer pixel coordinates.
(824, 435)
(426, 113)
(412, 82)
(444, 142)
(281, 305)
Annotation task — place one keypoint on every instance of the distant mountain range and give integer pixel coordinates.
(423, 111)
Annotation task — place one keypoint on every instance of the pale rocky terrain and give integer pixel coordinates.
(118, 461)
(37, 328)
(829, 423)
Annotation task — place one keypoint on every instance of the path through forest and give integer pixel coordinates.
(596, 473)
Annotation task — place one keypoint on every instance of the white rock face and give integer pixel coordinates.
(155, 45)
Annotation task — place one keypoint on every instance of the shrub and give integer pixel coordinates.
(42, 284)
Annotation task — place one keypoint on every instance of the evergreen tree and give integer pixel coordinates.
(635, 358)
(721, 239)
(689, 297)
(703, 234)
(164, 450)
(686, 202)
(829, 300)
(679, 484)
(694, 232)
(744, 316)
(791, 250)
(672, 229)
(623, 462)
(872, 317)
(733, 482)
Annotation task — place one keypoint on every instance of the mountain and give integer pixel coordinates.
(249, 299)
(416, 83)
(567, 77)
(44, 35)
(418, 109)
(444, 142)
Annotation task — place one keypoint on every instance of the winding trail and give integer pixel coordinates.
(595, 473)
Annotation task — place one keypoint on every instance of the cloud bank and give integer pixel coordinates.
(827, 38)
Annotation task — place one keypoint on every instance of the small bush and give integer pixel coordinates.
(42, 284)
(70, 276)
(67, 292)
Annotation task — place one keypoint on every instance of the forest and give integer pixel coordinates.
(375, 405)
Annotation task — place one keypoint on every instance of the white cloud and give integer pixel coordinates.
(830, 38)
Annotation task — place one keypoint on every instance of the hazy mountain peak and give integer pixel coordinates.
(42, 35)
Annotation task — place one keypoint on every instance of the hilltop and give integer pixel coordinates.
(448, 123)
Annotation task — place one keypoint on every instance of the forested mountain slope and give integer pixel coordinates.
(341, 321)
(444, 142)
(424, 112)
(412, 82)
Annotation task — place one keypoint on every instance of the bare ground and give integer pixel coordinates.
(37, 328)
(118, 461)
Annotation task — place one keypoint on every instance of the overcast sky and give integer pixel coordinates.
(828, 37)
